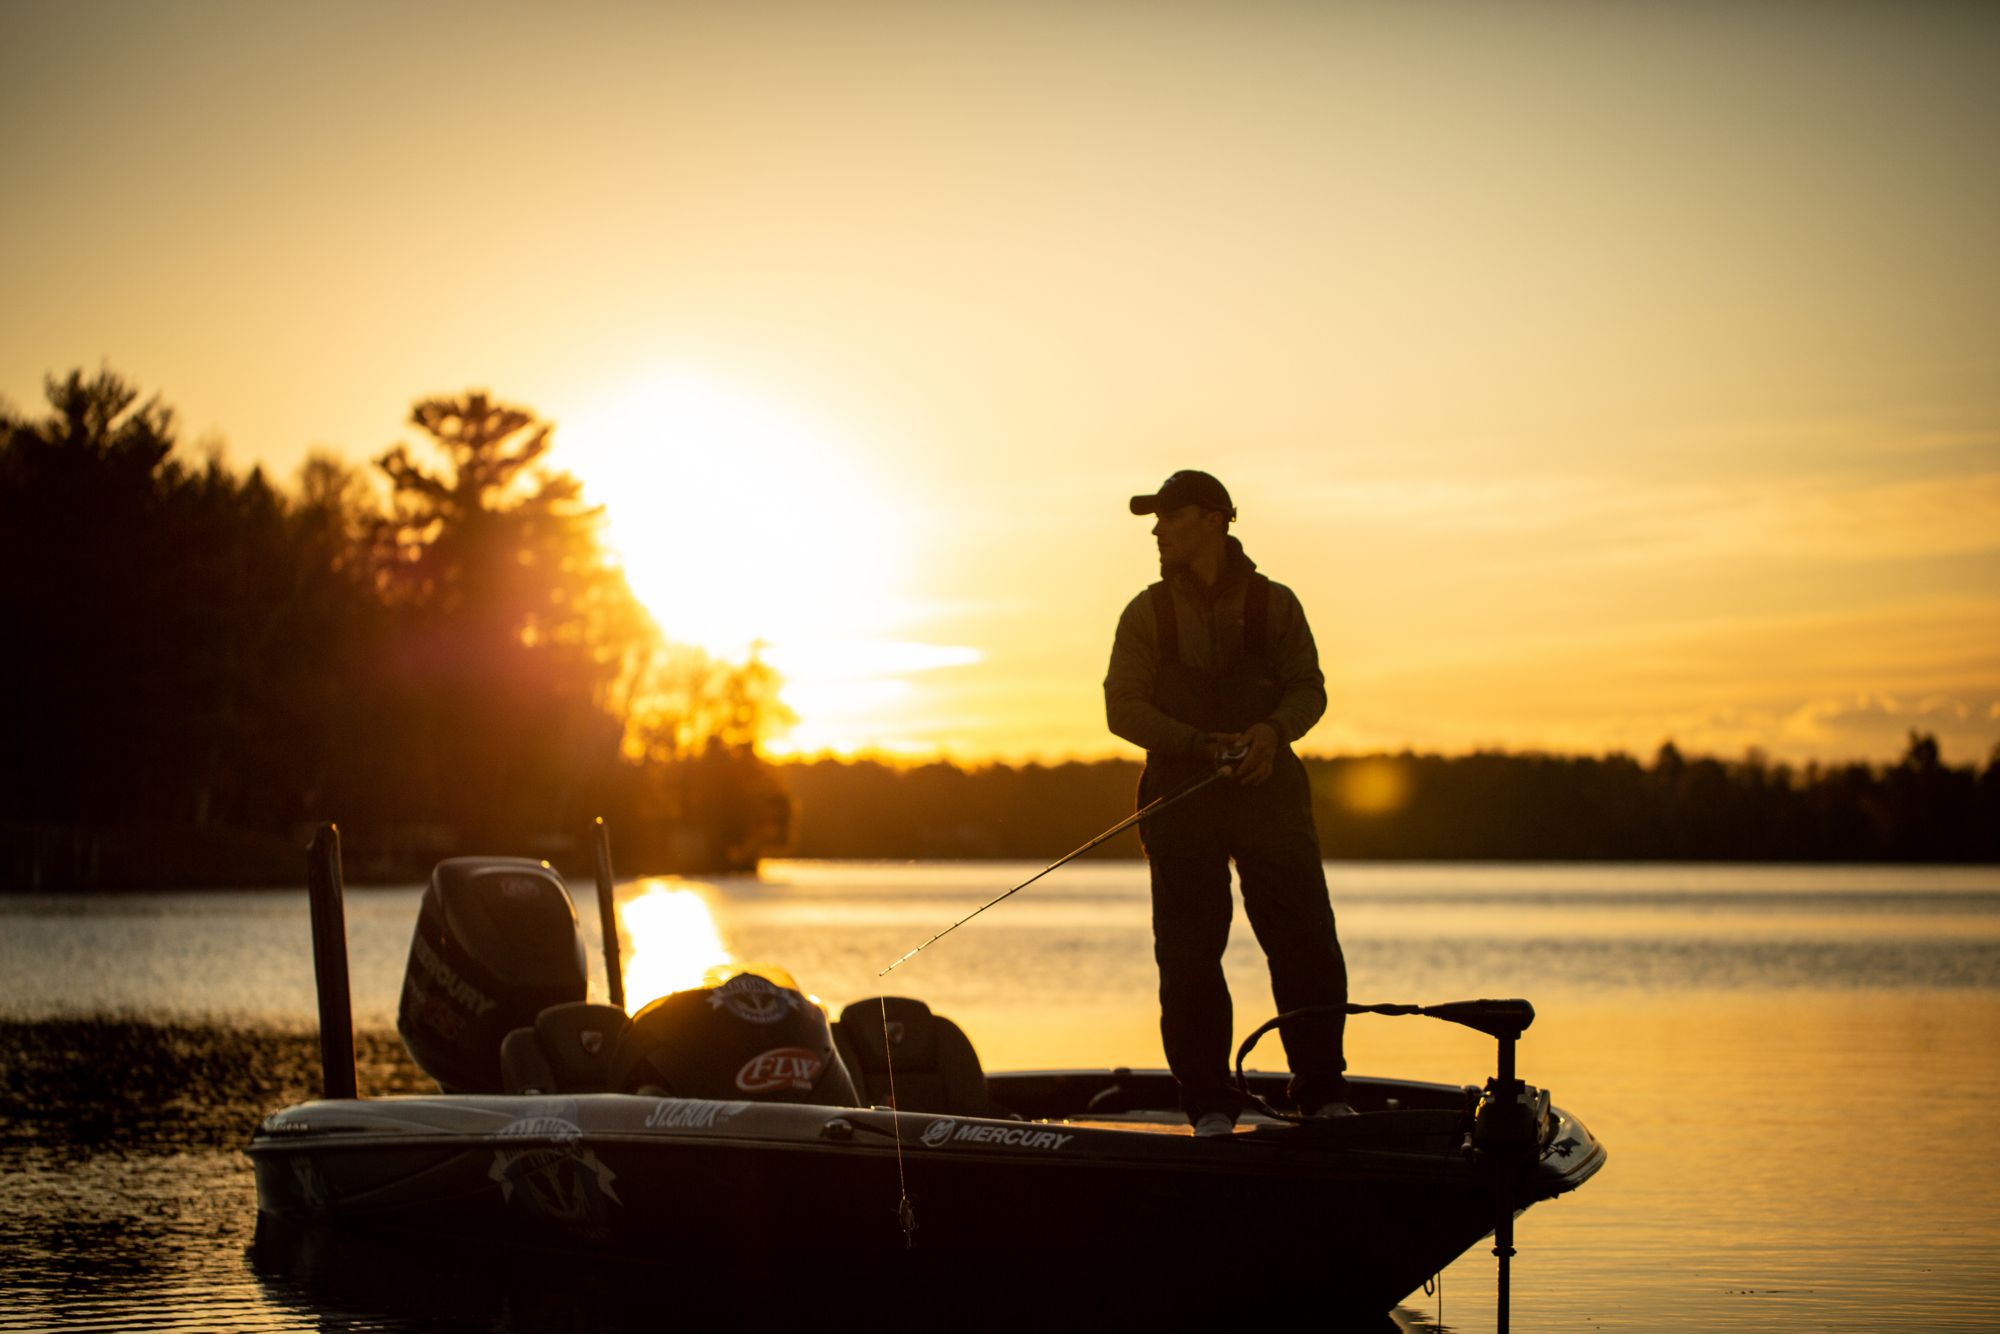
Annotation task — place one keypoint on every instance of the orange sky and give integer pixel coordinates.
(1595, 373)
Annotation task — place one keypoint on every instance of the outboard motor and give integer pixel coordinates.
(749, 1034)
(496, 943)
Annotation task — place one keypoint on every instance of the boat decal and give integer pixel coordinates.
(285, 1123)
(690, 1113)
(436, 1011)
(558, 1178)
(752, 998)
(779, 1068)
(521, 886)
(447, 979)
(940, 1133)
(311, 1185)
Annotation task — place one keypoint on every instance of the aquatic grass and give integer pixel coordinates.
(146, 1087)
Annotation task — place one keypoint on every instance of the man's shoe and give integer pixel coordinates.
(1214, 1125)
(1332, 1111)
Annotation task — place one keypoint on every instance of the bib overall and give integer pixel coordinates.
(1268, 831)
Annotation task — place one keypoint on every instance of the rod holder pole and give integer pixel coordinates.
(607, 915)
(1507, 1094)
(324, 889)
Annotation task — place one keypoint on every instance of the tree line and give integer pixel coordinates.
(1483, 806)
(437, 649)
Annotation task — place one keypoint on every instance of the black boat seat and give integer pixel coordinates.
(567, 1051)
(936, 1068)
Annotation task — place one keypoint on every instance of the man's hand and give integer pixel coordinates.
(1255, 767)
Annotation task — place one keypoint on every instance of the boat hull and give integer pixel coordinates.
(1356, 1213)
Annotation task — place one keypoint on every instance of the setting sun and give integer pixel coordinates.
(738, 523)
(745, 527)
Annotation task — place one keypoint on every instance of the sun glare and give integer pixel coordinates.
(1374, 786)
(673, 942)
(742, 527)
(738, 524)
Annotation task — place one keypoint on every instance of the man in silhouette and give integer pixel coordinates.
(1212, 659)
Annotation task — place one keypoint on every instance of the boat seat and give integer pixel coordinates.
(935, 1066)
(567, 1051)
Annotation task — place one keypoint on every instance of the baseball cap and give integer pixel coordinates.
(1186, 487)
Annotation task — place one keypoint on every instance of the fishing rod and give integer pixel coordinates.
(1227, 762)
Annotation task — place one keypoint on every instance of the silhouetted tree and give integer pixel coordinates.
(185, 622)
(86, 581)
(1487, 806)
(511, 621)
(678, 701)
(448, 659)
(214, 660)
(541, 688)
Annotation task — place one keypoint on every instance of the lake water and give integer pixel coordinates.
(1796, 1069)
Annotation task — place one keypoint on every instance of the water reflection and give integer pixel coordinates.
(125, 1200)
(1795, 1068)
(346, 1281)
(670, 941)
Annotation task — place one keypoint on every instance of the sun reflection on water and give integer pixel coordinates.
(671, 941)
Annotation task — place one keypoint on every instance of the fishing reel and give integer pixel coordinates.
(1226, 760)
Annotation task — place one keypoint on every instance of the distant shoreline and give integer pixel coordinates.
(1485, 807)
(579, 877)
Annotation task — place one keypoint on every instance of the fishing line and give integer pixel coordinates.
(1150, 808)
(906, 1213)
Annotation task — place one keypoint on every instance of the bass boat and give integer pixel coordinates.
(736, 1129)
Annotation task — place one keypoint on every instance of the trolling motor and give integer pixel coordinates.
(1508, 1125)
(1506, 1118)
